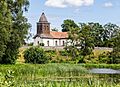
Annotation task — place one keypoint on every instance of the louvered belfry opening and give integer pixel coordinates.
(43, 26)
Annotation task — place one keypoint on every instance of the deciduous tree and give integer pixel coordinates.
(18, 31)
(5, 25)
(67, 24)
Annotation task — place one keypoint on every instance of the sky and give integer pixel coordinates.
(56, 11)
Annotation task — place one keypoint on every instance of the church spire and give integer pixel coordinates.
(43, 26)
(43, 18)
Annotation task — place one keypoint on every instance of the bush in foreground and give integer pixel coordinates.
(35, 55)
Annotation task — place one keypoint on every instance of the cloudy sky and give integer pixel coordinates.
(102, 11)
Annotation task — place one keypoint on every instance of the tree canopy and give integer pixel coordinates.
(68, 23)
(13, 35)
(85, 36)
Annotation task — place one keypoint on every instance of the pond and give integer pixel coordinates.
(104, 71)
(109, 75)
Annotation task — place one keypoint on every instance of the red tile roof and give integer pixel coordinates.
(59, 34)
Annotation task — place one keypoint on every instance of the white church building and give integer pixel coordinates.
(47, 37)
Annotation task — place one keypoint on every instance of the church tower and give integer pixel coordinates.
(43, 26)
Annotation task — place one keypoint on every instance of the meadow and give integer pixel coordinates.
(56, 74)
(53, 75)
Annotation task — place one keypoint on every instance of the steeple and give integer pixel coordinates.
(43, 26)
(43, 18)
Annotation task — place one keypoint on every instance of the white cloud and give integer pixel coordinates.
(55, 3)
(66, 3)
(108, 4)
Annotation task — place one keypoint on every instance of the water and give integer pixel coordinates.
(104, 71)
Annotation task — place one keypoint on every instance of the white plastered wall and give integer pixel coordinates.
(50, 42)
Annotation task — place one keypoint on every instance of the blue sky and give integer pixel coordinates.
(102, 11)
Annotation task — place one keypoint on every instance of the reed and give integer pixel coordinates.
(53, 75)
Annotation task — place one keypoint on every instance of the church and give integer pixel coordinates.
(47, 37)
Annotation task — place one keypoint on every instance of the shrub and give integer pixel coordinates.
(114, 57)
(35, 55)
(63, 53)
(51, 53)
(103, 58)
(30, 44)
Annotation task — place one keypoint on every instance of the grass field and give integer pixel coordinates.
(56, 74)
(53, 75)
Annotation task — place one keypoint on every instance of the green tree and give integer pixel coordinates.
(68, 24)
(81, 41)
(86, 40)
(5, 25)
(97, 31)
(18, 30)
(110, 31)
(35, 55)
(115, 54)
(73, 35)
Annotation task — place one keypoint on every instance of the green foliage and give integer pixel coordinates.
(59, 75)
(97, 31)
(110, 32)
(104, 58)
(63, 53)
(8, 79)
(51, 53)
(35, 55)
(86, 36)
(30, 44)
(5, 25)
(103, 34)
(86, 40)
(73, 35)
(81, 41)
(114, 57)
(115, 54)
(111, 66)
(14, 30)
(67, 24)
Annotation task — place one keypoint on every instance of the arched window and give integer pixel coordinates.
(38, 42)
(48, 43)
(56, 44)
(63, 43)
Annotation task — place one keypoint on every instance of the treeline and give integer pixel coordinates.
(86, 36)
(13, 28)
(102, 35)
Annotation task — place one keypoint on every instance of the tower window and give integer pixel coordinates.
(63, 43)
(38, 42)
(48, 43)
(56, 43)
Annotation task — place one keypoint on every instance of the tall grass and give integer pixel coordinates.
(54, 75)
(111, 66)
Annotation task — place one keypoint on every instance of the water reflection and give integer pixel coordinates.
(104, 71)
(109, 75)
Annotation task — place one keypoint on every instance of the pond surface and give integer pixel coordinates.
(104, 71)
